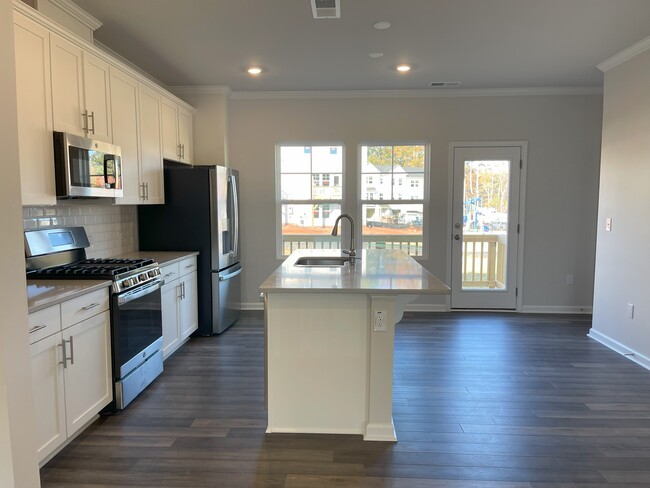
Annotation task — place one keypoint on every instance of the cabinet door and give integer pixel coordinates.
(47, 389)
(34, 100)
(189, 306)
(124, 114)
(170, 297)
(151, 157)
(67, 86)
(97, 97)
(185, 135)
(170, 130)
(88, 376)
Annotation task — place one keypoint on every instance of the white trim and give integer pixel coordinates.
(625, 55)
(523, 146)
(426, 307)
(251, 306)
(431, 93)
(623, 350)
(77, 13)
(556, 309)
(200, 90)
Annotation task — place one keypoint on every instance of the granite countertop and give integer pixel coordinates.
(161, 257)
(45, 293)
(377, 272)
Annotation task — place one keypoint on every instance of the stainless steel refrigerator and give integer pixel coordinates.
(201, 213)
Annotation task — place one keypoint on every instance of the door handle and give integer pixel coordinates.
(85, 125)
(92, 116)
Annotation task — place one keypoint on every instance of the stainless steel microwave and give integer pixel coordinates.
(86, 168)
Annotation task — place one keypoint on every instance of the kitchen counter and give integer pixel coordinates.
(161, 257)
(375, 271)
(329, 335)
(45, 293)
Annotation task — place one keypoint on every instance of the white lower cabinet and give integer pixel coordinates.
(180, 314)
(71, 370)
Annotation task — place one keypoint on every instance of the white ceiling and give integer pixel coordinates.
(482, 43)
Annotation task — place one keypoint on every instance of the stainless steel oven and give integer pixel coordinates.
(137, 340)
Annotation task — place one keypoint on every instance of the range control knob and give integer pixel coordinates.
(142, 277)
(152, 273)
(126, 283)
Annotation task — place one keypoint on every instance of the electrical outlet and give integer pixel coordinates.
(380, 324)
(630, 311)
(569, 280)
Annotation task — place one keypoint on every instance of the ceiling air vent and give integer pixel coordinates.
(326, 9)
(444, 84)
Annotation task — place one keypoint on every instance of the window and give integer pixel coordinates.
(310, 194)
(390, 222)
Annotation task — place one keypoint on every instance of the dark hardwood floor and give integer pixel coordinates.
(480, 401)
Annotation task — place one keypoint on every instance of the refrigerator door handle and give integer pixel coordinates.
(235, 206)
(231, 275)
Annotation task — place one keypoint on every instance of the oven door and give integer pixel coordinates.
(136, 326)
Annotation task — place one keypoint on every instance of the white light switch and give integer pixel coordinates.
(608, 224)
(630, 311)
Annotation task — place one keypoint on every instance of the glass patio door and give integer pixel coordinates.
(485, 222)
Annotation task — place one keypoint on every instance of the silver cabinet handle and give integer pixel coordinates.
(92, 116)
(141, 191)
(168, 275)
(180, 291)
(89, 307)
(146, 191)
(36, 328)
(85, 125)
(179, 151)
(183, 290)
(189, 266)
(183, 151)
(65, 353)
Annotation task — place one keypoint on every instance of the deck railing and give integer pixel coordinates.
(409, 244)
(484, 260)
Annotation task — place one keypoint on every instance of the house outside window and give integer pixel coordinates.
(309, 193)
(390, 222)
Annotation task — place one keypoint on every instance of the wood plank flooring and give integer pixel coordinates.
(480, 401)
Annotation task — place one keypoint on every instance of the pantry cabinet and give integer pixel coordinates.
(179, 303)
(34, 103)
(70, 367)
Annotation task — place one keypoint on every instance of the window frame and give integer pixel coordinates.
(404, 201)
(278, 187)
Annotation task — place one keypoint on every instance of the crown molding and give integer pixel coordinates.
(200, 90)
(625, 55)
(439, 93)
(79, 14)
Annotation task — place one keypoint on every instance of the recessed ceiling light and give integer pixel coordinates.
(381, 25)
(254, 70)
(403, 68)
(376, 55)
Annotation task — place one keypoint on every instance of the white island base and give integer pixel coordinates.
(328, 371)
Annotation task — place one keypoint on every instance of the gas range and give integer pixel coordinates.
(125, 274)
(60, 254)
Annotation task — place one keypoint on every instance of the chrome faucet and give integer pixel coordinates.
(335, 231)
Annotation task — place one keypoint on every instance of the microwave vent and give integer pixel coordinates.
(326, 9)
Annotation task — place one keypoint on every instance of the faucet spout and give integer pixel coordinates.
(352, 253)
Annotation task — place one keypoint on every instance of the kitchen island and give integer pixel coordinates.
(329, 341)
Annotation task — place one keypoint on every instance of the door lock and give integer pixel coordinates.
(457, 237)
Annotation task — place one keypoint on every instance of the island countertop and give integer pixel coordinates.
(376, 271)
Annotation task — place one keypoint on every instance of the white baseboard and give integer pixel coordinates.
(441, 307)
(555, 309)
(622, 349)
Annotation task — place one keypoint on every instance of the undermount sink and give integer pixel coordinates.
(324, 261)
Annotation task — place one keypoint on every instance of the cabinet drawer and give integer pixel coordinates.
(187, 265)
(83, 307)
(170, 272)
(44, 323)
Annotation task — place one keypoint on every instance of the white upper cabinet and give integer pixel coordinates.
(80, 91)
(177, 129)
(124, 115)
(34, 101)
(151, 157)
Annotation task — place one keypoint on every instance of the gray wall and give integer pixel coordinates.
(563, 133)
(622, 266)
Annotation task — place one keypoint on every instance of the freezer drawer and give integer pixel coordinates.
(226, 297)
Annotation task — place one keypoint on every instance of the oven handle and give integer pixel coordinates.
(140, 292)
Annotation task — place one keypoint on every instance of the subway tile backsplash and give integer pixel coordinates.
(110, 228)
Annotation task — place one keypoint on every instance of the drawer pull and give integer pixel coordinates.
(168, 275)
(89, 307)
(189, 266)
(36, 328)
